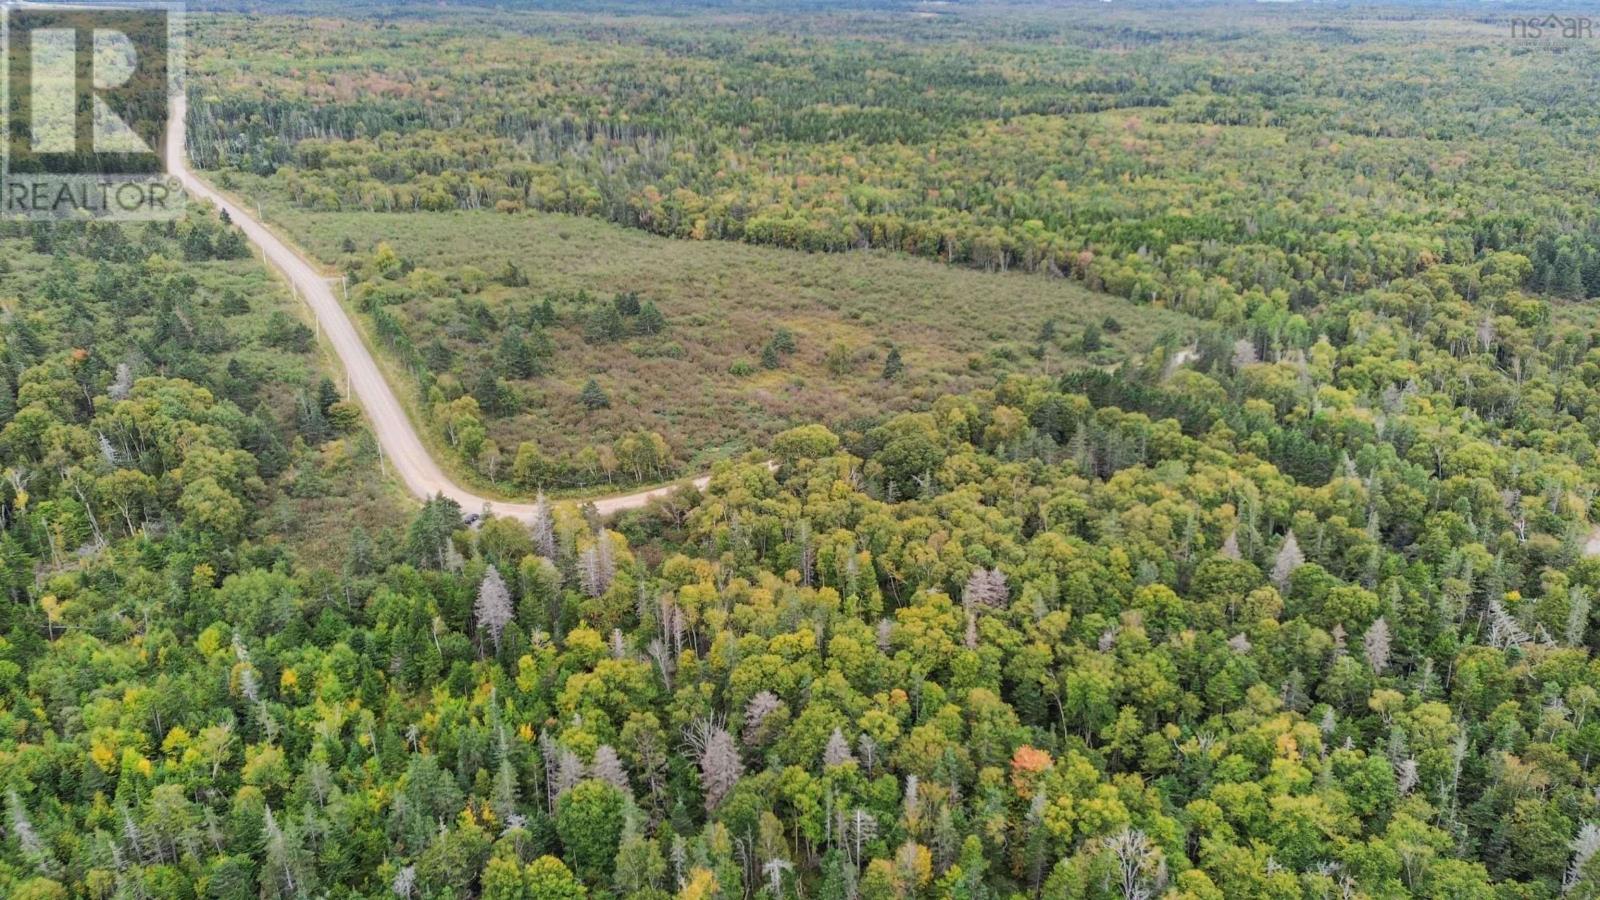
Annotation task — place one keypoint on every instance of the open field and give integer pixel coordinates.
(956, 329)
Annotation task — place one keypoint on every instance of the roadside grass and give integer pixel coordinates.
(956, 329)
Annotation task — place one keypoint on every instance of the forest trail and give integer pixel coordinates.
(401, 446)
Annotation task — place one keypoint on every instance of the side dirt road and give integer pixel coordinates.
(402, 447)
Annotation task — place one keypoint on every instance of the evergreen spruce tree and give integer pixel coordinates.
(604, 324)
(593, 396)
(627, 303)
(892, 366)
(327, 394)
(651, 321)
(517, 357)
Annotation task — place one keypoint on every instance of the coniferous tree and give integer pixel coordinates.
(327, 394)
(626, 303)
(892, 366)
(516, 357)
(541, 527)
(718, 759)
(493, 608)
(1289, 559)
(494, 396)
(604, 323)
(593, 396)
(428, 539)
(651, 321)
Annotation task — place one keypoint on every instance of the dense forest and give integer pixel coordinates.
(1297, 600)
(1196, 163)
(1316, 626)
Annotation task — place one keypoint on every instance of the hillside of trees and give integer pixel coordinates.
(1297, 616)
(1208, 161)
(1297, 600)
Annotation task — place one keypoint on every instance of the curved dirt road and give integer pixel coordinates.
(396, 435)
